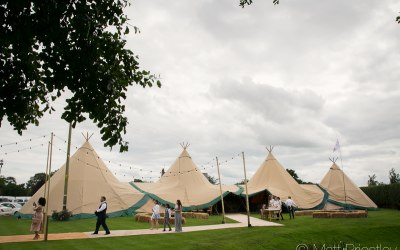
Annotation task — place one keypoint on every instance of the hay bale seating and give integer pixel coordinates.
(195, 215)
(341, 214)
(143, 217)
(304, 212)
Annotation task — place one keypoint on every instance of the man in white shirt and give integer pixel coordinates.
(290, 204)
(101, 214)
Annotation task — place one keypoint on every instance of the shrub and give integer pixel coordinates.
(63, 215)
(384, 196)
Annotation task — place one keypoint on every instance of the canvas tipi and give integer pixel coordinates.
(343, 192)
(273, 178)
(184, 181)
(89, 178)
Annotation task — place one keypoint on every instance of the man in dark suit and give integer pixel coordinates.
(101, 214)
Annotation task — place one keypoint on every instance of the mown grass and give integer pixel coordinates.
(381, 228)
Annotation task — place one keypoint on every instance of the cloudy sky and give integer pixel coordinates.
(297, 76)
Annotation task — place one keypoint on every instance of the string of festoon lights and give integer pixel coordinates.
(21, 145)
(141, 173)
(222, 163)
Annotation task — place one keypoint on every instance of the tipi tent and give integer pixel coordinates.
(343, 192)
(274, 179)
(184, 181)
(89, 179)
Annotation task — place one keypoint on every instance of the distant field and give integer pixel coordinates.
(380, 229)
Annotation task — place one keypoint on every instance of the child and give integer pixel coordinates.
(155, 216)
(167, 214)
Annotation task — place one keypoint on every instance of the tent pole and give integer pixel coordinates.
(67, 168)
(46, 225)
(247, 193)
(222, 197)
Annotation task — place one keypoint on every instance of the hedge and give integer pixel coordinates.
(384, 196)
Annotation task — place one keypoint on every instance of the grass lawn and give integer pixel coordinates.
(380, 229)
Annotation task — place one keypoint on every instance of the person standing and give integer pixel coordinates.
(280, 207)
(37, 217)
(178, 216)
(155, 215)
(101, 214)
(167, 213)
(290, 204)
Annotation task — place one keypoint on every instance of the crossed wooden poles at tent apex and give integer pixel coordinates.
(184, 145)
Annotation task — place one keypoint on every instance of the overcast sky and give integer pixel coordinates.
(298, 76)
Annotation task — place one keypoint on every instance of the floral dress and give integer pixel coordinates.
(37, 219)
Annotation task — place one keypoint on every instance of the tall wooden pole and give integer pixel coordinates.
(67, 169)
(46, 225)
(46, 178)
(222, 197)
(247, 193)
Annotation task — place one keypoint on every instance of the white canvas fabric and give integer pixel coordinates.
(184, 181)
(89, 179)
(342, 190)
(273, 177)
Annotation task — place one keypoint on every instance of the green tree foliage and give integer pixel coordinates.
(49, 46)
(384, 196)
(210, 178)
(393, 176)
(372, 180)
(36, 182)
(9, 187)
(243, 3)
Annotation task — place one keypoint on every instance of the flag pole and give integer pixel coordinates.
(337, 146)
(344, 183)
(247, 193)
(222, 197)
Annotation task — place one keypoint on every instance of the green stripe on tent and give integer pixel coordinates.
(122, 213)
(351, 206)
(184, 209)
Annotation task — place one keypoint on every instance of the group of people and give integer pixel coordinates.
(101, 213)
(275, 203)
(177, 211)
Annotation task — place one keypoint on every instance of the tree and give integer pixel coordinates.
(35, 182)
(48, 47)
(241, 182)
(210, 178)
(372, 180)
(9, 187)
(393, 176)
(294, 175)
(243, 3)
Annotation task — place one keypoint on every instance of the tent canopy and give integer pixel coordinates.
(343, 191)
(272, 177)
(89, 179)
(184, 181)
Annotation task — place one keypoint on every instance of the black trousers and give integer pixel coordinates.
(101, 220)
(291, 212)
